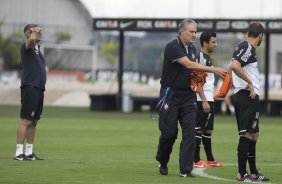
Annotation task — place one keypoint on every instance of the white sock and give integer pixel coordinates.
(19, 149)
(28, 149)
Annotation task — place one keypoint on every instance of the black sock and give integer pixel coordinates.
(207, 145)
(252, 158)
(198, 147)
(242, 152)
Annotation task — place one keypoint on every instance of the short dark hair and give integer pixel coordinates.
(27, 28)
(255, 29)
(206, 37)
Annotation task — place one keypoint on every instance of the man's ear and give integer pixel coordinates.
(261, 35)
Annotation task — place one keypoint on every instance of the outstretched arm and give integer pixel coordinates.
(198, 67)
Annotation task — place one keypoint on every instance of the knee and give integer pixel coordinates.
(251, 136)
(255, 136)
(34, 123)
(208, 132)
(199, 132)
(248, 135)
(26, 122)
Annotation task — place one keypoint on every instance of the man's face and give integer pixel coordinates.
(188, 34)
(212, 44)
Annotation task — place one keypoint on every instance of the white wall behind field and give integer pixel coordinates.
(53, 15)
(185, 8)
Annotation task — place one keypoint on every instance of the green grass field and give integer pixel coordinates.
(84, 147)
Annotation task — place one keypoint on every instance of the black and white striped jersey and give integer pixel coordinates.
(208, 88)
(245, 54)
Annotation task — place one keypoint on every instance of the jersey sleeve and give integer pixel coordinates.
(174, 52)
(242, 53)
(203, 59)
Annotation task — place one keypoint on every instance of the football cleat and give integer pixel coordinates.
(33, 157)
(163, 169)
(247, 178)
(201, 164)
(21, 157)
(186, 175)
(259, 177)
(215, 163)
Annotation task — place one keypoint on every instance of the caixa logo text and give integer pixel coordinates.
(106, 24)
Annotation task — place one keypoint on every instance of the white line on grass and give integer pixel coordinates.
(200, 172)
(257, 164)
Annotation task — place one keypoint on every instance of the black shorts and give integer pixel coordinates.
(204, 121)
(246, 111)
(32, 103)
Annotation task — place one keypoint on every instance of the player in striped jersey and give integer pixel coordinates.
(205, 105)
(245, 77)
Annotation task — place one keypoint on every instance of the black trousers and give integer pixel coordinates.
(179, 106)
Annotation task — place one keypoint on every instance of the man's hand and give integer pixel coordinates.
(220, 71)
(34, 37)
(206, 106)
(250, 87)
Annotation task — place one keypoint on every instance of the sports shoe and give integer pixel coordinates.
(215, 163)
(33, 157)
(163, 169)
(201, 164)
(259, 177)
(186, 175)
(21, 157)
(247, 178)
